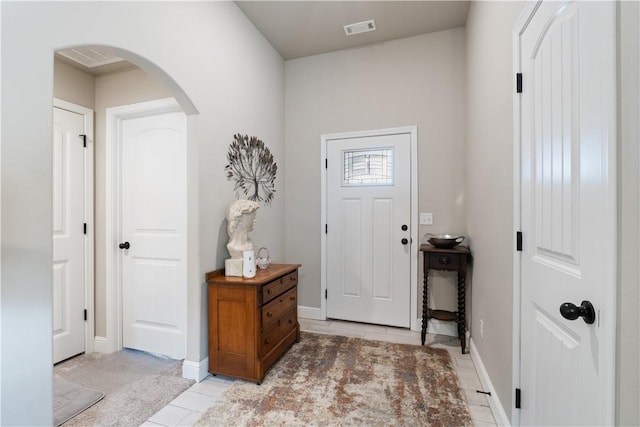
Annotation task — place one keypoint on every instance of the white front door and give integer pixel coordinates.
(153, 226)
(568, 214)
(68, 235)
(368, 240)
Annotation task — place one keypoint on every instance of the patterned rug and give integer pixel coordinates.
(328, 380)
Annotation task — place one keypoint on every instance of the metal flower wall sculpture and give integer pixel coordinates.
(252, 167)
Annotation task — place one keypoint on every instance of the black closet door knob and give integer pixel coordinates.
(124, 245)
(571, 312)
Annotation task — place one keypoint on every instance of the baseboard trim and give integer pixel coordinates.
(441, 327)
(196, 371)
(494, 403)
(310, 313)
(101, 345)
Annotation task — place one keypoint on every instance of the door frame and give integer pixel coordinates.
(412, 131)
(113, 208)
(610, 265)
(89, 219)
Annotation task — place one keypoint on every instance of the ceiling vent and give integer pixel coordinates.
(360, 27)
(89, 57)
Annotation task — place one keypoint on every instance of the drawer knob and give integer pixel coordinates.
(268, 291)
(292, 298)
(267, 341)
(279, 322)
(444, 260)
(269, 314)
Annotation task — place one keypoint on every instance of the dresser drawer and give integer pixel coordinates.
(274, 310)
(270, 338)
(275, 288)
(444, 261)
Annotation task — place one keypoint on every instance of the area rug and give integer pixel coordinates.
(327, 380)
(71, 399)
(136, 386)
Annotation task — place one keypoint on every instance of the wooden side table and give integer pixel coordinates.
(252, 322)
(452, 259)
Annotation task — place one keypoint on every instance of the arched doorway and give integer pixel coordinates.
(120, 78)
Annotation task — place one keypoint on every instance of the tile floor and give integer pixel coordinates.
(187, 408)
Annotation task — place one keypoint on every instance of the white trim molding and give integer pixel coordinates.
(196, 371)
(440, 327)
(313, 313)
(497, 409)
(89, 248)
(113, 268)
(415, 241)
(101, 345)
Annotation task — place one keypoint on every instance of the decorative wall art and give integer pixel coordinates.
(252, 168)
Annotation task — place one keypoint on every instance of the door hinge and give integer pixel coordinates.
(84, 140)
(326, 294)
(518, 240)
(517, 398)
(518, 82)
(85, 314)
(326, 163)
(84, 228)
(326, 229)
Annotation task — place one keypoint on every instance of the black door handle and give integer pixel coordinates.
(124, 245)
(572, 312)
(404, 241)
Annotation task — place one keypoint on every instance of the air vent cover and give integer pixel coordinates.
(89, 57)
(360, 27)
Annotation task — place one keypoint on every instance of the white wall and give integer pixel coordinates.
(490, 169)
(489, 154)
(73, 85)
(628, 337)
(228, 74)
(413, 81)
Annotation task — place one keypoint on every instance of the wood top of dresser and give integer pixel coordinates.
(262, 276)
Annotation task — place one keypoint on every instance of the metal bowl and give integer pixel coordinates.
(444, 241)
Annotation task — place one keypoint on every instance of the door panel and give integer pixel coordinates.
(68, 235)
(568, 205)
(154, 223)
(368, 201)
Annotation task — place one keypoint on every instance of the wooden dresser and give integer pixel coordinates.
(252, 322)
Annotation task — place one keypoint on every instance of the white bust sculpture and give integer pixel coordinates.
(241, 215)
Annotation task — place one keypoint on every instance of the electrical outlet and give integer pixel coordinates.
(426, 218)
(481, 328)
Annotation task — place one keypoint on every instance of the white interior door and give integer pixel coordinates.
(68, 235)
(368, 240)
(568, 214)
(153, 224)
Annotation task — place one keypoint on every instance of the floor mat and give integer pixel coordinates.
(71, 399)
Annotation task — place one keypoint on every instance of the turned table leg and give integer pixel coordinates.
(461, 312)
(425, 305)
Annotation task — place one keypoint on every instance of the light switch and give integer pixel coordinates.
(426, 218)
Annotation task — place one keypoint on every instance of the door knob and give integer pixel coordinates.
(124, 245)
(572, 312)
(404, 227)
(404, 241)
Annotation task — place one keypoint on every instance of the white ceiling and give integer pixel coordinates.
(303, 28)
